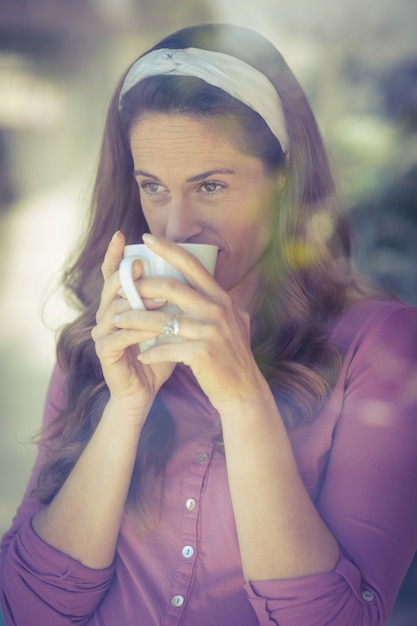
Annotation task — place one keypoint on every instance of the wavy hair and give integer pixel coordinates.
(307, 276)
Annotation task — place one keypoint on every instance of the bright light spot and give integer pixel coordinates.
(371, 136)
(27, 100)
(298, 254)
(41, 232)
(377, 413)
(320, 228)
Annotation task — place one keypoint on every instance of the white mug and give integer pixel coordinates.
(154, 265)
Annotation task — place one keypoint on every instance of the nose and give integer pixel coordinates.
(183, 221)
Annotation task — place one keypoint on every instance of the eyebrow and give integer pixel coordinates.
(192, 179)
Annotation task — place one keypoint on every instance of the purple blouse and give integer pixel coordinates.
(358, 461)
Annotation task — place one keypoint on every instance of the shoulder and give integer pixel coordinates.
(370, 320)
(378, 343)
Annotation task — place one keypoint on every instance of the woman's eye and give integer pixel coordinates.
(211, 187)
(151, 188)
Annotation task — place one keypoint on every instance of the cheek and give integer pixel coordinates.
(259, 225)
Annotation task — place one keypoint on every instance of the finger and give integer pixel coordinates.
(119, 315)
(105, 324)
(194, 272)
(111, 341)
(185, 328)
(213, 325)
(150, 304)
(114, 255)
(187, 298)
(112, 289)
(152, 322)
(112, 347)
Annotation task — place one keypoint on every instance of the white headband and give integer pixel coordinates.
(232, 75)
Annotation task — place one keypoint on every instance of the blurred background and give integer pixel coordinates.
(59, 62)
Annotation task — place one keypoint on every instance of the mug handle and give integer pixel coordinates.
(127, 282)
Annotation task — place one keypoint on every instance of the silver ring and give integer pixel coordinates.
(173, 327)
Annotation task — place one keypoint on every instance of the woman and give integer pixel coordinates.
(260, 470)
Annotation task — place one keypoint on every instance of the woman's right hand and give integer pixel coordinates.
(130, 382)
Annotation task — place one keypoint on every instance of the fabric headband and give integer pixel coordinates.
(232, 75)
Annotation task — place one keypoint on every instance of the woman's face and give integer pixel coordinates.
(197, 187)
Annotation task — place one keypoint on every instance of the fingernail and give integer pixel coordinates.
(116, 319)
(149, 239)
(115, 236)
(121, 292)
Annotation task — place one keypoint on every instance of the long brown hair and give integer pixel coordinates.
(307, 272)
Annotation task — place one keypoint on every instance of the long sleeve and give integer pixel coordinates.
(368, 495)
(36, 579)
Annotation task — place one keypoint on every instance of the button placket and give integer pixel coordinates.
(194, 486)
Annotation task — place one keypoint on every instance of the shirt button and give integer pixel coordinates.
(368, 596)
(190, 504)
(188, 552)
(177, 600)
(202, 458)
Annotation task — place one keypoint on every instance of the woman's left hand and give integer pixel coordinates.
(215, 333)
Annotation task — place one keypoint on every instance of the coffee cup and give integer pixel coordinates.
(155, 266)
